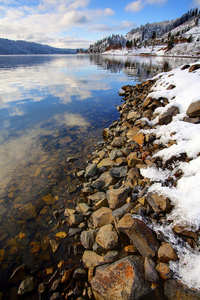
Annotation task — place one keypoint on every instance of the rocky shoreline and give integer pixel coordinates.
(117, 220)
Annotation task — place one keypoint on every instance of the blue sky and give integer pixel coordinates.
(78, 23)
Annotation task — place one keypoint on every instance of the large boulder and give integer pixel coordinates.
(140, 234)
(121, 280)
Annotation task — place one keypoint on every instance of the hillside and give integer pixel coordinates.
(9, 47)
(181, 34)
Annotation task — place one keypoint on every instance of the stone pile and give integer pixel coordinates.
(122, 257)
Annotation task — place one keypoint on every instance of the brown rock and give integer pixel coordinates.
(194, 109)
(164, 271)
(150, 270)
(117, 197)
(27, 212)
(133, 160)
(107, 237)
(175, 290)
(194, 68)
(158, 202)
(121, 280)
(102, 217)
(140, 234)
(182, 230)
(26, 286)
(166, 118)
(139, 138)
(92, 259)
(132, 132)
(133, 115)
(166, 253)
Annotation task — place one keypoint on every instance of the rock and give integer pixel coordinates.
(107, 237)
(194, 109)
(106, 133)
(71, 188)
(71, 159)
(80, 174)
(27, 212)
(102, 217)
(140, 234)
(80, 274)
(115, 154)
(121, 280)
(133, 115)
(91, 170)
(92, 259)
(133, 174)
(118, 142)
(130, 249)
(68, 212)
(171, 87)
(104, 180)
(133, 160)
(49, 199)
(82, 208)
(120, 212)
(56, 296)
(184, 231)
(185, 67)
(88, 238)
(176, 290)
(111, 256)
(117, 197)
(106, 162)
(54, 245)
(139, 138)
(164, 271)
(150, 270)
(166, 253)
(75, 219)
(158, 202)
(74, 231)
(132, 132)
(97, 197)
(26, 286)
(119, 172)
(194, 68)
(18, 275)
(166, 118)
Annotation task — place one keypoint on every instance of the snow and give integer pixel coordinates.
(185, 196)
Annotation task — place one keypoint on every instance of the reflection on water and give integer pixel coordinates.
(51, 108)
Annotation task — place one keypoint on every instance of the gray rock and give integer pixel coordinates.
(111, 256)
(88, 238)
(119, 172)
(75, 219)
(120, 212)
(115, 154)
(26, 286)
(176, 290)
(121, 280)
(166, 118)
(91, 170)
(118, 142)
(107, 237)
(140, 234)
(104, 180)
(117, 197)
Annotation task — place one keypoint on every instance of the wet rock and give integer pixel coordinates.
(88, 238)
(166, 118)
(68, 212)
(91, 170)
(102, 217)
(140, 234)
(175, 290)
(49, 199)
(107, 237)
(26, 286)
(117, 197)
(71, 188)
(56, 296)
(80, 174)
(121, 280)
(27, 212)
(158, 202)
(166, 253)
(54, 245)
(150, 270)
(82, 208)
(92, 259)
(71, 159)
(119, 172)
(194, 109)
(18, 275)
(164, 271)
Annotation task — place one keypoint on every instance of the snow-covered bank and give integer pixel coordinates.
(182, 50)
(180, 137)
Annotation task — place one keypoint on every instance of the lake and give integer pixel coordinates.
(53, 108)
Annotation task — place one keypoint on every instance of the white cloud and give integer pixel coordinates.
(134, 6)
(138, 5)
(109, 12)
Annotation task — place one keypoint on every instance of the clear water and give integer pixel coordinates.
(52, 108)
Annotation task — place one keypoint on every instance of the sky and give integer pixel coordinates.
(79, 23)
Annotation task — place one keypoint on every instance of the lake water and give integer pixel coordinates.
(53, 108)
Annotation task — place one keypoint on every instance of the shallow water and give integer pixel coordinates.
(52, 108)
